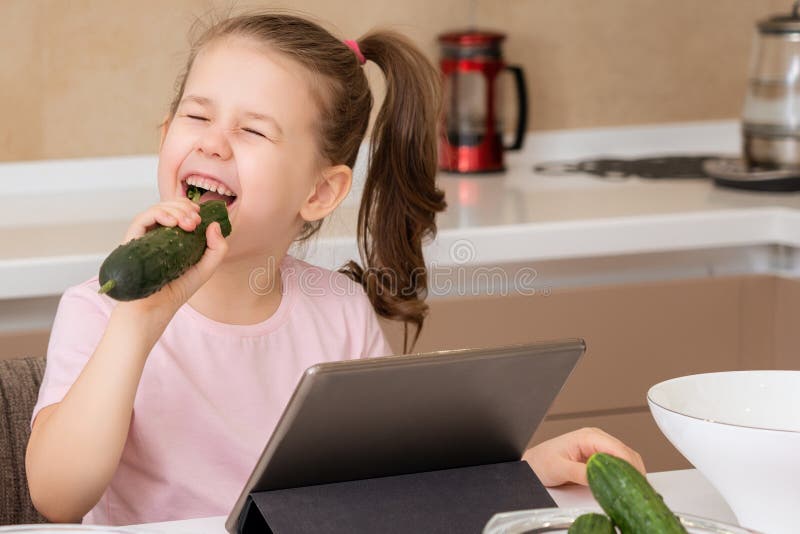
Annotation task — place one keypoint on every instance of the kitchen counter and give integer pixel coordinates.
(684, 491)
(63, 217)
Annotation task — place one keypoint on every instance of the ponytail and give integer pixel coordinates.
(400, 199)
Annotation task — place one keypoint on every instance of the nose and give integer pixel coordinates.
(214, 143)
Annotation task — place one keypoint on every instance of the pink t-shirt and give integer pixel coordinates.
(211, 393)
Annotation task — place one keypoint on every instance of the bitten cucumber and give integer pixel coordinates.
(592, 523)
(146, 264)
(628, 498)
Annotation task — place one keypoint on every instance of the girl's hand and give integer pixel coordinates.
(563, 458)
(181, 212)
(185, 214)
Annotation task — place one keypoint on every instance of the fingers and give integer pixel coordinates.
(563, 459)
(553, 465)
(216, 249)
(181, 205)
(216, 244)
(575, 472)
(184, 218)
(594, 440)
(182, 212)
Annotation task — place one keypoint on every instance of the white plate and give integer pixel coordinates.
(559, 520)
(45, 528)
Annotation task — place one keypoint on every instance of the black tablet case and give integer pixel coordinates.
(460, 500)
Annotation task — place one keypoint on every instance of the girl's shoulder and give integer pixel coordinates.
(82, 309)
(318, 278)
(321, 284)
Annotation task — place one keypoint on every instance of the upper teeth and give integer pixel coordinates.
(209, 185)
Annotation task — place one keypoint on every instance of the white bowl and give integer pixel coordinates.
(741, 430)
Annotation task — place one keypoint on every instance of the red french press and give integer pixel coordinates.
(472, 140)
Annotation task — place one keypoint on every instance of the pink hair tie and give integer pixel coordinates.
(356, 50)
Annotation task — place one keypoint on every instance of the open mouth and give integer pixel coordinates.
(201, 189)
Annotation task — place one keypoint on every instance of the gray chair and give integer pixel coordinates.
(19, 387)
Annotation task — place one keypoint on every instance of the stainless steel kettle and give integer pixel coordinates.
(771, 114)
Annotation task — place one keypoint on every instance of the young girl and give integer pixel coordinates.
(157, 409)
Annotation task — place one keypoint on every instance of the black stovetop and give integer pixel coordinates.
(655, 167)
(724, 171)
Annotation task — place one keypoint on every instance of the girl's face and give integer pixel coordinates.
(245, 126)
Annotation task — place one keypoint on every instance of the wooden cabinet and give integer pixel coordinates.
(637, 335)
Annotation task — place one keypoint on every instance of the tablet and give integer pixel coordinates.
(393, 415)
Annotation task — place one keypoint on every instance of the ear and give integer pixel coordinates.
(328, 192)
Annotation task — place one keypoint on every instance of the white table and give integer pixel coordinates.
(684, 491)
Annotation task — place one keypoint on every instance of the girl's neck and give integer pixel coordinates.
(241, 291)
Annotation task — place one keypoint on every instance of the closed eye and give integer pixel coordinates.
(197, 117)
(254, 132)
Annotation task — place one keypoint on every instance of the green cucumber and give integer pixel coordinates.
(144, 265)
(592, 524)
(628, 498)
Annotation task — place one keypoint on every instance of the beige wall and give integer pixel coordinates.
(94, 77)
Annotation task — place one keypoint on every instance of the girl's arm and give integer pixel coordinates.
(76, 444)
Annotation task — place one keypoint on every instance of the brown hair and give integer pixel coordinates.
(400, 198)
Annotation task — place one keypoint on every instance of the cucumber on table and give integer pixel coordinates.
(146, 264)
(592, 523)
(628, 498)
